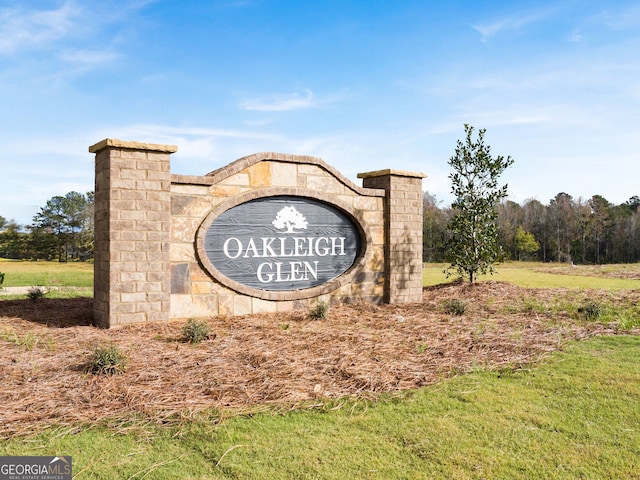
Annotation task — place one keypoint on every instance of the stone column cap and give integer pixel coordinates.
(391, 171)
(115, 143)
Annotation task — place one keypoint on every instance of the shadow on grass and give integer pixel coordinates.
(445, 285)
(51, 312)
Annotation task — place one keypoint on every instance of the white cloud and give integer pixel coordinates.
(606, 24)
(89, 57)
(163, 133)
(200, 149)
(623, 20)
(82, 36)
(510, 22)
(281, 103)
(26, 29)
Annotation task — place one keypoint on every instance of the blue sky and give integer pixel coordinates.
(365, 85)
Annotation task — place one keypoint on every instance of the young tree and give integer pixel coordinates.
(473, 247)
(526, 243)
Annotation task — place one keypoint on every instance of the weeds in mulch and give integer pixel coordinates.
(28, 340)
(320, 311)
(591, 311)
(454, 306)
(533, 306)
(107, 360)
(195, 331)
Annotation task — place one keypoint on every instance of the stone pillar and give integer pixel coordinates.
(403, 232)
(132, 274)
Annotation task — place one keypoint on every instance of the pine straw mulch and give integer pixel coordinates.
(278, 359)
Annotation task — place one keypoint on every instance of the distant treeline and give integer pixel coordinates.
(594, 231)
(62, 230)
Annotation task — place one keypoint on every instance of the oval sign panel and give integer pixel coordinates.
(282, 243)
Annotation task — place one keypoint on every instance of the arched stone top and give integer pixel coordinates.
(241, 164)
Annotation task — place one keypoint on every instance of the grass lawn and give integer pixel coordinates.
(525, 274)
(46, 274)
(542, 275)
(574, 416)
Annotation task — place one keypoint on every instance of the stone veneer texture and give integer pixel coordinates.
(148, 266)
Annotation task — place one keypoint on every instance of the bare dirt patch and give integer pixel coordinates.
(255, 360)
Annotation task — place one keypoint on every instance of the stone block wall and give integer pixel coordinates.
(403, 232)
(268, 174)
(149, 227)
(132, 232)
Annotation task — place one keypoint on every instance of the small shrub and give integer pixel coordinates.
(454, 306)
(1, 279)
(628, 320)
(590, 311)
(531, 306)
(107, 361)
(194, 331)
(320, 311)
(36, 293)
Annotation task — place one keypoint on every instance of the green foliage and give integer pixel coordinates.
(320, 311)
(567, 230)
(526, 243)
(454, 306)
(1, 279)
(473, 246)
(36, 293)
(107, 360)
(434, 229)
(195, 331)
(591, 311)
(628, 319)
(28, 340)
(534, 306)
(62, 230)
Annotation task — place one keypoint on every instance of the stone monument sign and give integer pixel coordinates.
(269, 232)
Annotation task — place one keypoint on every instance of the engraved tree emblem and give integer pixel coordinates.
(290, 218)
